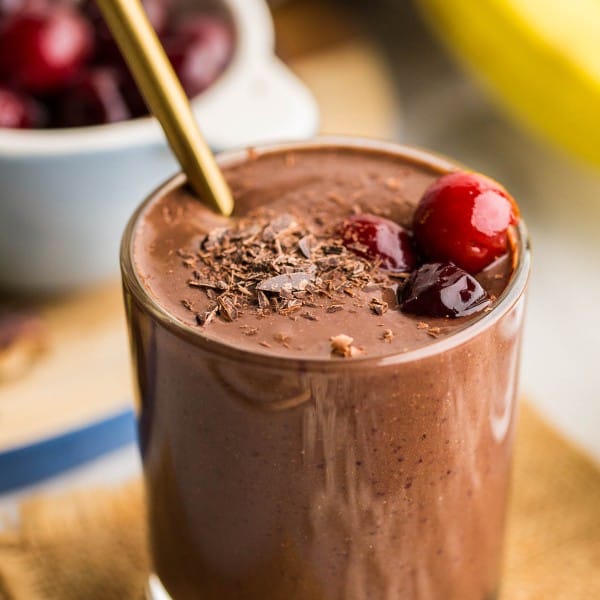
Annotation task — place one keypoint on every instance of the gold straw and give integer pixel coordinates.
(166, 99)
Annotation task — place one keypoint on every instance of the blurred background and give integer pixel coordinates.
(507, 87)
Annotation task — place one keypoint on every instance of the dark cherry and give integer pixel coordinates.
(374, 238)
(442, 290)
(464, 218)
(93, 99)
(199, 49)
(19, 111)
(159, 14)
(131, 93)
(42, 51)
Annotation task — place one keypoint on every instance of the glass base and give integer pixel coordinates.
(155, 589)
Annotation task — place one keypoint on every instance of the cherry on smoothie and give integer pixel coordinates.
(94, 98)
(374, 237)
(42, 51)
(199, 49)
(19, 111)
(464, 218)
(442, 290)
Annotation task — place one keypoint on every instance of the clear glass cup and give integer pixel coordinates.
(271, 477)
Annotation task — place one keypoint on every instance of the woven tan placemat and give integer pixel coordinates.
(92, 545)
(553, 543)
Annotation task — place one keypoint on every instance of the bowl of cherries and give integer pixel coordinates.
(78, 150)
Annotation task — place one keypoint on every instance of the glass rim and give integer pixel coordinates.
(506, 300)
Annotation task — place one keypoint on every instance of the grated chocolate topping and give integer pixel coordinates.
(277, 264)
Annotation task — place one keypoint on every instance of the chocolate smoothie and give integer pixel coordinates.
(302, 437)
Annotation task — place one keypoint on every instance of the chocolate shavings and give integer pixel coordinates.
(275, 263)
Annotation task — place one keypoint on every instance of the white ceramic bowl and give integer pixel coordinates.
(65, 195)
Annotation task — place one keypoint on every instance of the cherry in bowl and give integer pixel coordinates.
(96, 96)
(199, 49)
(19, 111)
(41, 51)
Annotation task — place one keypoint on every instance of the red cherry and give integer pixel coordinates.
(464, 218)
(442, 290)
(19, 111)
(374, 238)
(199, 50)
(41, 52)
(93, 99)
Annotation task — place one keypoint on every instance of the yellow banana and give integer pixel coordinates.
(541, 58)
